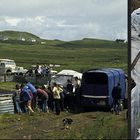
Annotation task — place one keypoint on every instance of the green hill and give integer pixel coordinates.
(24, 38)
(14, 35)
(87, 42)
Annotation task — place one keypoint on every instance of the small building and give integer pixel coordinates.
(32, 40)
(43, 43)
(21, 39)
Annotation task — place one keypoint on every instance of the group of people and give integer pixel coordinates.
(30, 98)
(39, 70)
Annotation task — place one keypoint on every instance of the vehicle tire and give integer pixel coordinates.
(8, 72)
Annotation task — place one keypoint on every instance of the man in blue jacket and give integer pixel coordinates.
(34, 92)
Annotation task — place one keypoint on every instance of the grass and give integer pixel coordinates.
(89, 125)
(7, 85)
(75, 57)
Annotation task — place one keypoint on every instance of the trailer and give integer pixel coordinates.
(97, 86)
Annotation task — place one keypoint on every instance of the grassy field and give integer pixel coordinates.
(86, 125)
(79, 55)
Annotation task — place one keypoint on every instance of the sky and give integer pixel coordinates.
(66, 19)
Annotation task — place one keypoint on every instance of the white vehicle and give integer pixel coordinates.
(8, 66)
(62, 77)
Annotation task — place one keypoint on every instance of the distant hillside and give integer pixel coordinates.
(18, 34)
(88, 42)
(25, 38)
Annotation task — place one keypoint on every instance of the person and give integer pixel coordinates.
(116, 95)
(68, 101)
(45, 99)
(39, 101)
(30, 72)
(22, 101)
(62, 96)
(27, 99)
(42, 99)
(34, 92)
(76, 91)
(76, 85)
(50, 100)
(16, 99)
(56, 95)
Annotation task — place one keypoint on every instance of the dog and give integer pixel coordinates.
(67, 123)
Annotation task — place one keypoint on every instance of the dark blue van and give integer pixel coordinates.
(97, 86)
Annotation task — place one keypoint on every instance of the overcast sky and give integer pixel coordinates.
(66, 19)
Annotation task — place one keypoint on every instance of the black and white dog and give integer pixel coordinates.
(67, 123)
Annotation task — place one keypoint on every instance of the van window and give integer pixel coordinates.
(94, 78)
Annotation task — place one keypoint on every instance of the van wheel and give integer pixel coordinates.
(8, 72)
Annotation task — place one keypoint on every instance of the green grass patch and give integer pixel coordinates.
(88, 125)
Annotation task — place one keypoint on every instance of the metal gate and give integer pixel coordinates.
(6, 104)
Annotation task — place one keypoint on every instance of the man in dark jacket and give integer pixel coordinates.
(116, 95)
